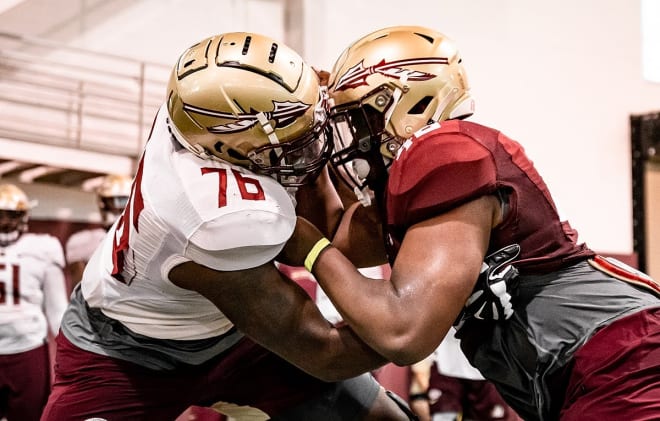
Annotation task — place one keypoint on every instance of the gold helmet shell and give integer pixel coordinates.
(114, 185)
(383, 88)
(419, 71)
(112, 195)
(249, 100)
(13, 199)
(14, 213)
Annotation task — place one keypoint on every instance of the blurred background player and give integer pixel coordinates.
(182, 303)
(32, 301)
(111, 196)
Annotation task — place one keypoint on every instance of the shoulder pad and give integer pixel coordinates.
(437, 171)
(45, 247)
(81, 244)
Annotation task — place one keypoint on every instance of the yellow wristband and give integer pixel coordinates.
(314, 253)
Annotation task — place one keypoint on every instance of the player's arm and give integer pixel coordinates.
(278, 314)
(54, 284)
(321, 203)
(420, 375)
(353, 228)
(439, 261)
(75, 270)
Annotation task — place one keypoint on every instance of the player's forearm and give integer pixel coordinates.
(379, 313)
(359, 236)
(55, 297)
(303, 337)
(344, 356)
(320, 204)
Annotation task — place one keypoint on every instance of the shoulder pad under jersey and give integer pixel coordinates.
(43, 246)
(437, 170)
(81, 245)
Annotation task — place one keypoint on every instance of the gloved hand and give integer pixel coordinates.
(491, 297)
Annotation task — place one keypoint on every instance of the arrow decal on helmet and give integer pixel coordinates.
(358, 74)
(283, 114)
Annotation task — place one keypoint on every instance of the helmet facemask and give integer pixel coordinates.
(364, 149)
(13, 223)
(298, 161)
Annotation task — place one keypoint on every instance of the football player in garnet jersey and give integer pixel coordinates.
(583, 341)
(182, 303)
(32, 301)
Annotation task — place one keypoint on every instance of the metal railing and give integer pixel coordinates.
(77, 98)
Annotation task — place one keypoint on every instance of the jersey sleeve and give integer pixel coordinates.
(228, 217)
(436, 172)
(240, 240)
(80, 245)
(47, 248)
(54, 284)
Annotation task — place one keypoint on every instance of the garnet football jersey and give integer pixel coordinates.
(450, 163)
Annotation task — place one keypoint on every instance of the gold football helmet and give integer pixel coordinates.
(386, 86)
(252, 101)
(14, 213)
(112, 196)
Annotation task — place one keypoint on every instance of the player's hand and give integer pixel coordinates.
(497, 283)
(324, 76)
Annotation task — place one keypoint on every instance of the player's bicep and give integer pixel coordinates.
(55, 295)
(441, 258)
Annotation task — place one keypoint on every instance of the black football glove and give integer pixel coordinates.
(498, 280)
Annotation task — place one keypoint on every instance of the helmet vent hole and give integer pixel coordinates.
(221, 149)
(421, 105)
(273, 52)
(426, 37)
(246, 45)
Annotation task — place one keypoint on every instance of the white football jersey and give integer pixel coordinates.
(183, 208)
(32, 292)
(81, 244)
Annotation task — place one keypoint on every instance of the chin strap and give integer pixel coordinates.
(443, 105)
(363, 195)
(267, 128)
(396, 96)
(402, 404)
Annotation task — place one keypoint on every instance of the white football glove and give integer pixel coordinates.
(491, 297)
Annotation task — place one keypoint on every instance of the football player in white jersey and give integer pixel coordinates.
(182, 304)
(112, 196)
(32, 300)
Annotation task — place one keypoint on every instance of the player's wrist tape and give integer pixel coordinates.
(314, 253)
(419, 396)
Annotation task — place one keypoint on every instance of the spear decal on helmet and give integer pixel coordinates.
(283, 114)
(358, 74)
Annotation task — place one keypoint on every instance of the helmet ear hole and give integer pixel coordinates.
(421, 105)
(235, 155)
(221, 148)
